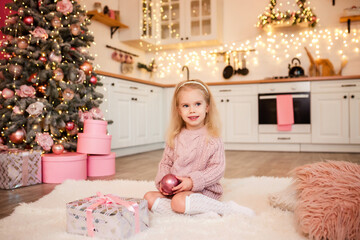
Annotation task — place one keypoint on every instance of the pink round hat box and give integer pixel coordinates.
(94, 144)
(95, 127)
(59, 167)
(101, 165)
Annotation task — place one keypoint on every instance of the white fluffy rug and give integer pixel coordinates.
(46, 218)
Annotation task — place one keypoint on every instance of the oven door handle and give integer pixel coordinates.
(293, 95)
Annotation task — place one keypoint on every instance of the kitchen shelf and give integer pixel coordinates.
(114, 24)
(348, 19)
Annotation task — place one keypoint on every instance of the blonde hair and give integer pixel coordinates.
(212, 119)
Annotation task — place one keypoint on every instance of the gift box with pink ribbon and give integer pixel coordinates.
(19, 168)
(107, 216)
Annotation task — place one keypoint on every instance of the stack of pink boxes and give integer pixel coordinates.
(92, 159)
(95, 142)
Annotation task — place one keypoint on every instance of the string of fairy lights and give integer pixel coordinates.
(279, 46)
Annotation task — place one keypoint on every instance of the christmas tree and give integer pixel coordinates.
(47, 80)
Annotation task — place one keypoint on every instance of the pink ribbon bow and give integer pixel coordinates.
(109, 199)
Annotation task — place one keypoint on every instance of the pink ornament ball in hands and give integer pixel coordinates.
(168, 182)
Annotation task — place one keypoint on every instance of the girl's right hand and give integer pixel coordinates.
(162, 192)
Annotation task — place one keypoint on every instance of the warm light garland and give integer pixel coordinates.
(279, 46)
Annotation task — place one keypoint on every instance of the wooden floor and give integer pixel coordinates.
(143, 166)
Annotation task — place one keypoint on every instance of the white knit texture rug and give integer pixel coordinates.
(46, 218)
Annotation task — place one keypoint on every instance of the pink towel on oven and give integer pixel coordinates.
(285, 112)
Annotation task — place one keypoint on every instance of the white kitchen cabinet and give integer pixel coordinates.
(237, 106)
(140, 17)
(128, 110)
(335, 109)
(136, 111)
(190, 21)
(355, 117)
(170, 23)
(155, 115)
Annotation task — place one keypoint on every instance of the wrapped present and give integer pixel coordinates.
(107, 216)
(19, 168)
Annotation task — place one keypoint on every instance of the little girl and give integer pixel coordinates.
(194, 153)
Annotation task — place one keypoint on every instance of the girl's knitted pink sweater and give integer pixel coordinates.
(198, 156)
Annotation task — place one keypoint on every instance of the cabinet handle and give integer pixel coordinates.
(112, 84)
(348, 85)
(222, 100)
(227, 100)
(352, 96)
(345, 96)
(135, 99)
(181, 39)
(187, 38)
(134, 88)
(225, 90)
(151, 90)
(284, 138)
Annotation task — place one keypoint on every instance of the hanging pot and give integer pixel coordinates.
(295, 70)
(244, 71)
(228, 70)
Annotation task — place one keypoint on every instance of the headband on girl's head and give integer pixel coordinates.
(192, 81)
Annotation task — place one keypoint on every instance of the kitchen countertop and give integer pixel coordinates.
(229, 82)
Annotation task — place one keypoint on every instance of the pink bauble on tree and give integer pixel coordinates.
(93, 80)
(68, 94)
(58, 74)
(56, 22)
(70, 126)
(168, 182)
(15, 70)
(7, 93)
(75, 29)
(28, 20)
(55, 58)
(57, 148)
(18, 136)
(86, 67)
(22, 43)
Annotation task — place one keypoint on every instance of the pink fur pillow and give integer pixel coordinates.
(328, 203)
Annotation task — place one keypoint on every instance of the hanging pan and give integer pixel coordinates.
(228, 70)
(244, 70)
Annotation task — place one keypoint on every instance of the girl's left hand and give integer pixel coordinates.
(185, 185)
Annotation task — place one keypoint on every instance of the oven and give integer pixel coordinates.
(300, 92)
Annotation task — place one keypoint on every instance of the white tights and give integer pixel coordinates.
(197, 203)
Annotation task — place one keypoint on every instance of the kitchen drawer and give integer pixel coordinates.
(234, 90)
(284, 87)
(285, 138)
(130, 87)
(336, 86)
